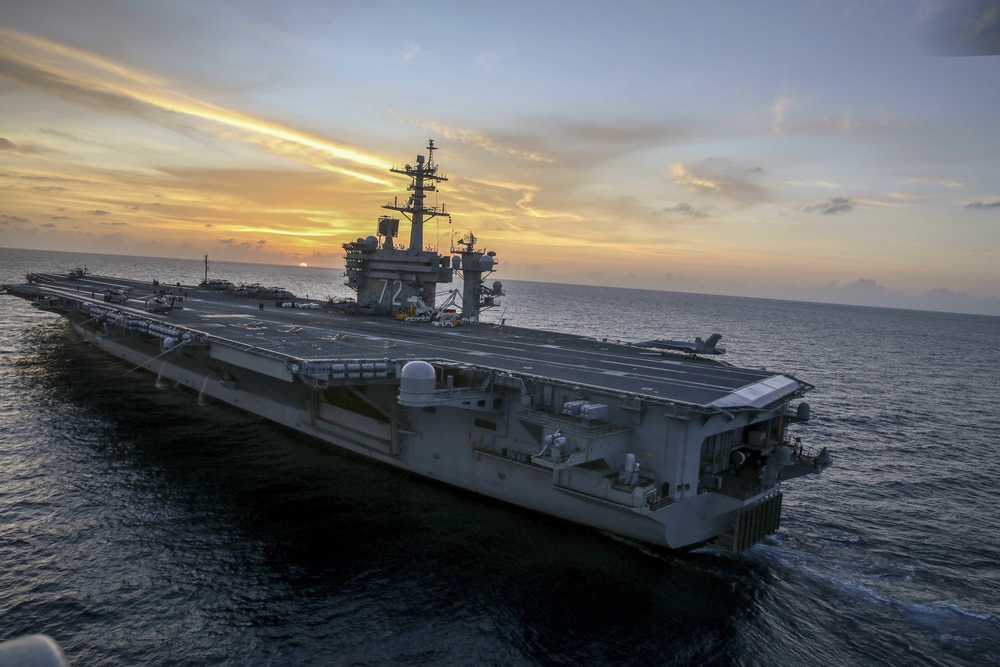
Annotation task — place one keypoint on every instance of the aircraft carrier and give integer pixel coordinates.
(651, 441)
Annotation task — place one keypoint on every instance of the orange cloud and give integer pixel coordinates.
(684, 177)
(478, 138)
(90, 79)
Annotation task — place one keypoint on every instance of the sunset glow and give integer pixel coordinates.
(821, 152)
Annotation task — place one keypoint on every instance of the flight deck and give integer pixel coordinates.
(320, 332)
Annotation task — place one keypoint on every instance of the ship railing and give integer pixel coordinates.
(246, 347)
(464, 393)
(510, 454)
(803, 454)
(509, 381)
(563, 460)
(594, 497)
(568, 424)
(655, 503)
(639, 497)
(734, 487)
(54, 303)
(341, 369)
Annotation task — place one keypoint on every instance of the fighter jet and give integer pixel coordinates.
(699, 346)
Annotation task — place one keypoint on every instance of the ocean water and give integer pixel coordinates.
(139, 527)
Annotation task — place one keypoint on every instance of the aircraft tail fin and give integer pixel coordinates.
(708, 346)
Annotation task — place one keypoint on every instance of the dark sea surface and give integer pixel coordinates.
(138, 527)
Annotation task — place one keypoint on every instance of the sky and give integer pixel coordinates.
(820, 151)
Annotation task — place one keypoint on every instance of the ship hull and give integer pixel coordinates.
(437, 447)
(671, 451)
(441, 454)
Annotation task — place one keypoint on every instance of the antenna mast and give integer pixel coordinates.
(424, 177)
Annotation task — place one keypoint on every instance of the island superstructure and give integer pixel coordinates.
(667, 448)
(390, 279)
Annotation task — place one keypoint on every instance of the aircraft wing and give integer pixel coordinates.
(676, 345)
(699, 346)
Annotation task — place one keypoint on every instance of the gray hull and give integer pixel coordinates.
(640, 463)
(665, 448)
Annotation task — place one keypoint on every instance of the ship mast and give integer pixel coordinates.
(424, 176)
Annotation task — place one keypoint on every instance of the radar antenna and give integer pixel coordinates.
(423, 178)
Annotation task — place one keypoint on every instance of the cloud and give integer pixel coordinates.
(96, 212)
(614, 137)
(490, 142)
(8, 145)
(979, 204)
(410, 51)
(683, 208)
(963, 28)
(115, 224)
(683, 176)
(961, 302)
(868, 292)
(15, 218)
(554, 140)
(909, 197)
(88, 79)
(778, 111)
(723, 178)
(229, 240)
(808, 121)
(490, 59)
(864, 288)
(832, 206)
(61, 134)
(261, 242)
(850, 121)
(948, 181)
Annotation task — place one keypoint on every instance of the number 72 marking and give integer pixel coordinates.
(398, 285)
